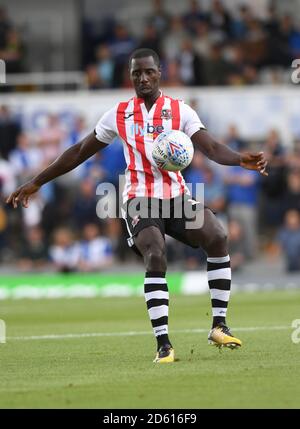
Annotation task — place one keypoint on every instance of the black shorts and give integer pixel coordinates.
(168, 216)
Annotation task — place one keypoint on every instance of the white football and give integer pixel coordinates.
(173, 150)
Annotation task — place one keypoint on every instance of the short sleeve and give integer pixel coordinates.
(105, 129)
(191, 122)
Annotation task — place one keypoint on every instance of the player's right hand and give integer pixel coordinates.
(22, 194)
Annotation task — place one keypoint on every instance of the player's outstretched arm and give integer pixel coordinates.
(222, 154)
(66, 162)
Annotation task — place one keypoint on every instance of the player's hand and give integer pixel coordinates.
(22, 194)
(254, 161)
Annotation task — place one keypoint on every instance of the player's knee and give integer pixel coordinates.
(155, 260)
(218, 240)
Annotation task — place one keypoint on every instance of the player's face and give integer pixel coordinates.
(145, 76)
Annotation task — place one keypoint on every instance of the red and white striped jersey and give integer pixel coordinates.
(138, 128)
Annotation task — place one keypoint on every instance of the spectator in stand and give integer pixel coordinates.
(7, 178)
(51, 138)
(105, 66)
(112, 162)
(172, 77)
(190, 67)
(151, 39)
(255, 43)
(271, 21)
(95, 251)
(160, 19)
(214, 189)
(57, 210)
(193, 17)
(239, 24)
(234, 140)
(279, 43)
(289, 240)
(120, 47)
(219, 20)
(172, 42)
(216, 68)
(116, 233)
(94, 168)
(237, 248)
(291, 198)
(32, 216)
(65, 251)
(242, 197)
(194, 173)
(92, 77)
(9, 131)
(290, 37)
(274, 185)
(293, 158)
(26, 159)
(84, 206)
(204, 39)
(34, 255)
(241, 72)
(78, 131)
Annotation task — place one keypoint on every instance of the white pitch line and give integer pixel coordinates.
(133, 333)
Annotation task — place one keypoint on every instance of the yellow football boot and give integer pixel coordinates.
(221, 336)
(165, 354)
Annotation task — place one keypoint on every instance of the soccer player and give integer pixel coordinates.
(138, 122)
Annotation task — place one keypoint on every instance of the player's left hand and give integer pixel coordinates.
(254, 161)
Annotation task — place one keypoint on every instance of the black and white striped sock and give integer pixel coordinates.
(157, 300)
(219, 281)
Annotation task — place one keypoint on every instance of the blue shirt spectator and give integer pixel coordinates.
(242, 186)
(289, 239)
(113, 161)
(194, 174)
(95, 251)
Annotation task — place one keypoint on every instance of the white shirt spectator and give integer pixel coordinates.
(7, 178)
(26, 162)
(67, 257)
(95, 254)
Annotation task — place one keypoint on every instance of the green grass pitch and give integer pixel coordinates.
(116, 371)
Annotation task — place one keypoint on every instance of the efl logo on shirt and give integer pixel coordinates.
(138, 130)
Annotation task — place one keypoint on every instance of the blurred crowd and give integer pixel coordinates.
(61, 231)
(199, 47)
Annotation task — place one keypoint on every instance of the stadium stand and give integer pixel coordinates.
(201, 45)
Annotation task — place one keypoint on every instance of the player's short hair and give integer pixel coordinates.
(144, 52)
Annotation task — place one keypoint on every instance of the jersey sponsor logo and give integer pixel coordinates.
(138, 130)
(166, 114)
